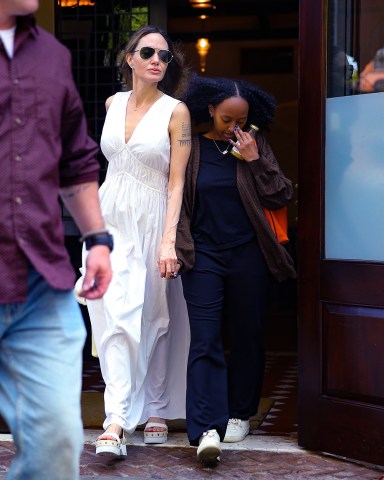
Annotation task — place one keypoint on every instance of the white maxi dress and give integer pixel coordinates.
(140, 326)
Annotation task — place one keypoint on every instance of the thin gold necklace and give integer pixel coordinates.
(224, 152)
(145, 104)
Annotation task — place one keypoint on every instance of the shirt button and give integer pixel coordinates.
(18, 158)
(18, 120)
(16, 81)
(18, 200)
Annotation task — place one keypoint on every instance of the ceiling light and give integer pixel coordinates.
(203, 46)
(201, 4)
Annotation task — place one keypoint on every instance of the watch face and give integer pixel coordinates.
(105, 239)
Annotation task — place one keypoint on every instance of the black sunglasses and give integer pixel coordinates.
(148, 52)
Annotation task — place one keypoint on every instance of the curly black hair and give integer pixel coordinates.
(175, 78)
(204, 91)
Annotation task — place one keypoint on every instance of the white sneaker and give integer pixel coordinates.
(237, 430)
(209, 449)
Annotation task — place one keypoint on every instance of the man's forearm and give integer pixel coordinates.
(82, 202)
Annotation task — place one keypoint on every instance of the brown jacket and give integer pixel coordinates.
(260, 183)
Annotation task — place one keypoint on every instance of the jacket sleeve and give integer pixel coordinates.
(184, 242)
(185, 249)
(274, 189)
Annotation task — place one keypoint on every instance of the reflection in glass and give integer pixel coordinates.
(371, 79)
(354, 192)
(340, 73)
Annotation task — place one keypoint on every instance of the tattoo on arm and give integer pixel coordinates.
(185, 140)
(73, 190)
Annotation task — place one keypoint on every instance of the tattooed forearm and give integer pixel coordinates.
(73, 190)
(185, 140)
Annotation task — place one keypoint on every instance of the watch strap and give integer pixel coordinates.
(102, 239)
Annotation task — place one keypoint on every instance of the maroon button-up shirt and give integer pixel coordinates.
(44, 145)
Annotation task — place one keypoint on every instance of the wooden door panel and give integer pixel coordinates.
(360, 283)
(352, 353)
(347, 429)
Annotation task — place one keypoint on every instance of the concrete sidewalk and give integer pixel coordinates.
(261, 457)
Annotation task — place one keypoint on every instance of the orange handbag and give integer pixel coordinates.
(278, 221)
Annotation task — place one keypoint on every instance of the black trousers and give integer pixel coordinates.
(216, 391)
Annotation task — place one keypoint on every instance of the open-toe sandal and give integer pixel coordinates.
(153, 436)
(115, 447)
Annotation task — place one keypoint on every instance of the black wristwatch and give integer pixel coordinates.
(104, 239)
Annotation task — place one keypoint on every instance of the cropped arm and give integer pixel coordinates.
(180, 133)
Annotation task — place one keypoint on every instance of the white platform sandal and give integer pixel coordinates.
(116, 447)
(156, 437)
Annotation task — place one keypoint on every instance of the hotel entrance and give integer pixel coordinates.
(326, 78)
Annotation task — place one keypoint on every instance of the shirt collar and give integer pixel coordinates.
(25, 26)
(27, 22)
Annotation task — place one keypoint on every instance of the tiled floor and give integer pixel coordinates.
(92, 379)
(280, 385)
(270, 452)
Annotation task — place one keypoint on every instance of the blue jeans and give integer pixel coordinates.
(41, 342)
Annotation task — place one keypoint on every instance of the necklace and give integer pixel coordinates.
(224, 152)
(145, 104)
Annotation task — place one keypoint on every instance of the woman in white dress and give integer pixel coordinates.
(140, 327)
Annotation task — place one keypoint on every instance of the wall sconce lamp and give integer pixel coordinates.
(203, 46)
(76, 3)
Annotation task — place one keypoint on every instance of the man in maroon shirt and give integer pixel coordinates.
(45, 153)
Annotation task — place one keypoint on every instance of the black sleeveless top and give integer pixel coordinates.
(219, 219)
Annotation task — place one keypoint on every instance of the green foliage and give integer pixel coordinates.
(122, 23)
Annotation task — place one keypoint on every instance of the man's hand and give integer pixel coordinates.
(98, 273)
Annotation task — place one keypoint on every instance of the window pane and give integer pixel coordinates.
(354, 160)
(96, 32)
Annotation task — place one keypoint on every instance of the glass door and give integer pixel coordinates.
(341, 228)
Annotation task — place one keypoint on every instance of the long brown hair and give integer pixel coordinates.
(175, 78)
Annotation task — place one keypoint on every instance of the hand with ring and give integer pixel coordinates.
(175, 273)
(167, 261)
